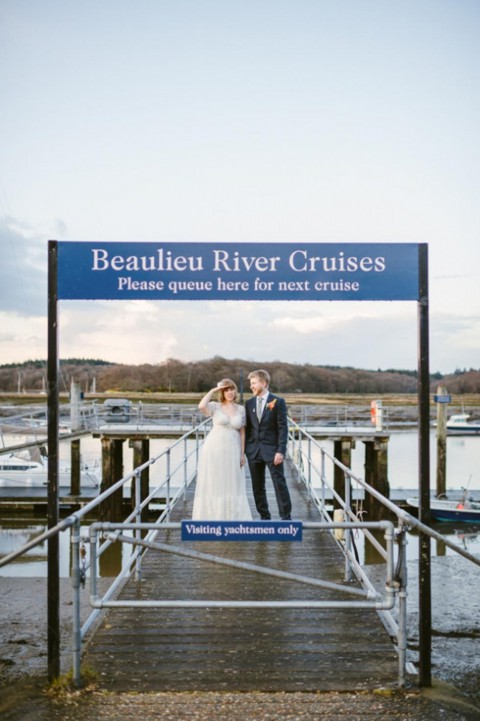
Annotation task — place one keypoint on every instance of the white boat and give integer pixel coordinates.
(464, 510)
(19, 472)
(461, 425)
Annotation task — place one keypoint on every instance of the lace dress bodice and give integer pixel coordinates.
(224, 419)
(220, 492)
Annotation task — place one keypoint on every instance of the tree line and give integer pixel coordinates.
(175, 376)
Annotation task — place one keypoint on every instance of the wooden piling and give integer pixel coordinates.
(112, 471)
(342, 450)
(441, 442)
(75, 467)
(376, 475)
(141, 454)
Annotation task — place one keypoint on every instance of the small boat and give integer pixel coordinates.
(461, 425)
(464, 510)
(17, 471)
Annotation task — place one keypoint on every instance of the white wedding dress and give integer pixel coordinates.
(220, 493)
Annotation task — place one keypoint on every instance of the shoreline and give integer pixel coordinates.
(391, 399)
(23, 626)
(455, 624)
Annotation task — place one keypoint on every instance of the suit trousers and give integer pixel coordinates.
(257, 471)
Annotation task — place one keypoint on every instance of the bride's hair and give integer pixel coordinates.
(228, 384)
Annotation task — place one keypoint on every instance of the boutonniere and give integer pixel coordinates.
(271, 405)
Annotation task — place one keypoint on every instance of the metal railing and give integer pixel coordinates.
(90, 415)
(324, 496)
(311, 472)
(180, 473)
(335, 417)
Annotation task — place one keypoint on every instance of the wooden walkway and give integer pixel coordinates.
(254, 649)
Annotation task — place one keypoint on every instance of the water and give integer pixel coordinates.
(463, 455)
(15, 533)
(463, 461)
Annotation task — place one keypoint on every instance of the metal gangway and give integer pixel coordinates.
(336, 516)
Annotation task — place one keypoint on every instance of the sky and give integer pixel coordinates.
(272, 121)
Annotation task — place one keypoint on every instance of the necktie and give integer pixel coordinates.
(259, 407)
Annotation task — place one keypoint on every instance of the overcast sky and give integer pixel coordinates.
(255, 121)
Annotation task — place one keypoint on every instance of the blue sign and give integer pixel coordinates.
(231, 271)
(442, 399)
(241, 531)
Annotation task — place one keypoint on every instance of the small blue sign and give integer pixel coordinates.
(442, 399)
(240, 271)
(241, 531)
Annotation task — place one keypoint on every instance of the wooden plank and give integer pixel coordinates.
(259, 649)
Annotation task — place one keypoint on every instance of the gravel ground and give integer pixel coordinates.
(23, 626)
(455, 695)
(439, 704)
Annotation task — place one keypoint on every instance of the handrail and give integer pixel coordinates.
(77, 516)
(73, 521)
(401, 514)
(133, 522)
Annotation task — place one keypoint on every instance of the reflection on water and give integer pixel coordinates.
(14, 533)
(462, 470)
(34, 562)
(463, 467)
(467, 538)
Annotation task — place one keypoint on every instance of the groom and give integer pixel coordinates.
(266, 436)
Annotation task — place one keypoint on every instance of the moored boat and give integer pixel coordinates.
(461, 425)
(464, 510)
(19, 472)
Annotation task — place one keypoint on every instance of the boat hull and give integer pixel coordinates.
(466, 515)
(19, 472)
(463, 430)
(12, 480)
(450, 511)
(461, 425)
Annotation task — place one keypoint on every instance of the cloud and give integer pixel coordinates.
(124, 332)
(307, 326)
(23, 271)
(22, 338)
(359, 334)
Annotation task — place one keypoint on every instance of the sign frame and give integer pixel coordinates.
(56, 249)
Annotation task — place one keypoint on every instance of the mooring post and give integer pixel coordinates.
(442, 406)
(141, 454)
(342, 450)
(75, 467)
(376, 475)
(74, 406)
(112, 471)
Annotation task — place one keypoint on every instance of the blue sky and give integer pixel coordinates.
(309, 121)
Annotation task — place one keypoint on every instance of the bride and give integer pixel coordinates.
(220, 492)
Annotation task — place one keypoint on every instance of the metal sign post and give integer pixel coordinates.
(424, 571)
(246, 271)
(53, 573)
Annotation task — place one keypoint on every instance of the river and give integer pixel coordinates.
(463, 470)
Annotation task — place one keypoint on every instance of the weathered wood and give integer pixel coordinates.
(112, 471)
(75, 467)
(442, 443)
(376, 475)
(342, 450)
(141, 454)
(262, 649)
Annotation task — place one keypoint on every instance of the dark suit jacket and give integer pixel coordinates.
(270, 436)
